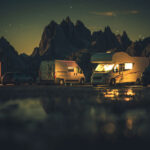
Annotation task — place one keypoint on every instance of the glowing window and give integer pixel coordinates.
(128, 66)
(104, 67)
(70, 69)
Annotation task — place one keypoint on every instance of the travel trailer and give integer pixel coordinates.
(119, 67)
(60, 72)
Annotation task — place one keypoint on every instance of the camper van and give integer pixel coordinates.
(60, 72)
(116, 68)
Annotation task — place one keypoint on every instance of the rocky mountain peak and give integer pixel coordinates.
(68, 20)
(79, 23)
(107, 30)
(3, 42)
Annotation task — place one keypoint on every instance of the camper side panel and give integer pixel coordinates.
(61, 70)
(46, 70)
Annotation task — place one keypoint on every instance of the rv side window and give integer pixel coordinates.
(79, 70)
(128, 66)
(70, 69)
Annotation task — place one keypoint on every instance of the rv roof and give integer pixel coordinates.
(102, 58)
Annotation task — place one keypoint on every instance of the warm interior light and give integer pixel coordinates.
(70, 68)
(104, 67)
(130, 92)
(128, 66)
(108, 52)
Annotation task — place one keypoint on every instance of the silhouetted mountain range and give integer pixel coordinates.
(71, 41)
(9, 57)
(59, 40)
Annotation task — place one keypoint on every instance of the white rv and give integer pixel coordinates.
(60, 72)
(119, 67)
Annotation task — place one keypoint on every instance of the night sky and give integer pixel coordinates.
(22, 21)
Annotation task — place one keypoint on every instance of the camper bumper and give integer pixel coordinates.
(99, 79)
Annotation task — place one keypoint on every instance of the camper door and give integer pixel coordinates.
(78, 73)
(117, 73)
(128, 74)
(71, 73)
(123, 73)
(47, 71)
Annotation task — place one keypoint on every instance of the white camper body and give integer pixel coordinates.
(120, 68)
(60, 72)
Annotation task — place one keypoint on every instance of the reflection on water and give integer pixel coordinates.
(25, 109)
(105, 113)
(119, 94)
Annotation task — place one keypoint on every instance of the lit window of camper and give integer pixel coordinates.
(70, 69)
(128, 66)
(104, 67)
(79, 70)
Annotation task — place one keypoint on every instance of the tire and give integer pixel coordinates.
(82, 81)
(112, 82)
(61, 82)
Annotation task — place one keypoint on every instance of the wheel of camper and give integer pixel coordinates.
(61, 82)
(82, 81)
(113, 82)
(138, 82)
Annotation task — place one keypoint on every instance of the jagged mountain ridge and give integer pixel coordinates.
(11, 60)
(59, 40)
(9, 57)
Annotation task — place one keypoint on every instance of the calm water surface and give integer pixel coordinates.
(109, 115)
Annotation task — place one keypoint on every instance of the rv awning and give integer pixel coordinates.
(102, 58)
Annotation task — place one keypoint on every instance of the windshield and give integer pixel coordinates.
(104, 67)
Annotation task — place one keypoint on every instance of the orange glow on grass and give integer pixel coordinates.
(129, 124)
